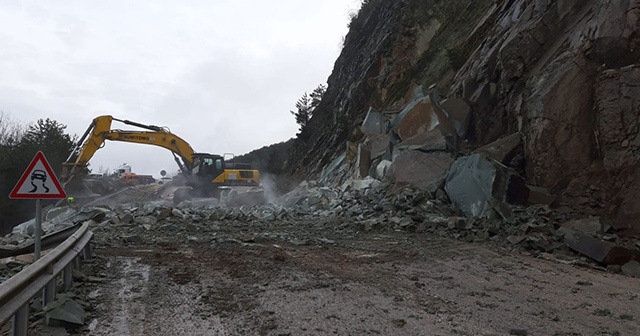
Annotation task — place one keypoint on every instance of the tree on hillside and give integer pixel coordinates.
(303, 110)
(306, 104)
(49, 137)
(316, 95)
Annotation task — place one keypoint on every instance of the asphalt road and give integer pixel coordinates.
(373, 284)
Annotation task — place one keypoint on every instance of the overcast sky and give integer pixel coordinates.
(222, 74)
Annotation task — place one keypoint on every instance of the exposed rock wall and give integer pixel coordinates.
(388, 48)
(563, 74)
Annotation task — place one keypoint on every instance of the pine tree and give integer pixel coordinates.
(303, 110)
(307, 104)
(316, 95)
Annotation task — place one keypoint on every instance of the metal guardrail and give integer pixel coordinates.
(17, 291)
(48, 241)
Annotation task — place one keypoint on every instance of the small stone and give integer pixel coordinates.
(626, 317)
(591, 225)
(248, 239)
(632, 268)
(405, 222)
(518, 332)
(191, 227)
(148, 220)
(299, 242)
(163, 213)
(399, 323)
(515, 240)
(126, 219)
(78, 275)
(64, 313)
(178, 213)
(269, 217)
(584, 283)
(602, 312)
(132, 239)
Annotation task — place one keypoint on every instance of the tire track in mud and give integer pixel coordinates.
(143, 299)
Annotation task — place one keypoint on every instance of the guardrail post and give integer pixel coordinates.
(20, 321)
(86, 252)
(76, 263)
(66, 277)
(49, 292)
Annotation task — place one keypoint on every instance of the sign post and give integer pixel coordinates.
(38, 182)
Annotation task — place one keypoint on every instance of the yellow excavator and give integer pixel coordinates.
(205, 173)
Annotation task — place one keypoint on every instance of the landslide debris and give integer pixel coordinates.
(313, 211)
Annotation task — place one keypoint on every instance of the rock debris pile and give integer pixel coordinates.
(477, 213)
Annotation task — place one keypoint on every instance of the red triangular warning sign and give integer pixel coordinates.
(38, 181)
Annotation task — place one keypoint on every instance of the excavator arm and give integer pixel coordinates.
(100, 130)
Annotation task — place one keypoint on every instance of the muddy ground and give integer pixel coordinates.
(280, 282)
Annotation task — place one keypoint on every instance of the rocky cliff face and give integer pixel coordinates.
(560, 78)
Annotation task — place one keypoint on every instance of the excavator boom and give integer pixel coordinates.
(100, 130)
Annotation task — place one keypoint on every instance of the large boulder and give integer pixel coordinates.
(379, 145)
(476, 184)
(363, 161)
(383, 168)
(422, 170)
(429, 141)
(375, 123)
(333, 170)
(459, 113)
(596, 249)
(417, 117)
(503, 149)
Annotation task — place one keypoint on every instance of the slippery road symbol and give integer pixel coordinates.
(38, 175)
(38, 182)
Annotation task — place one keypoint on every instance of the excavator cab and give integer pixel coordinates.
(212, 172)
(208, 166)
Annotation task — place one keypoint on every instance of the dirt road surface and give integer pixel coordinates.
(358, 284)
